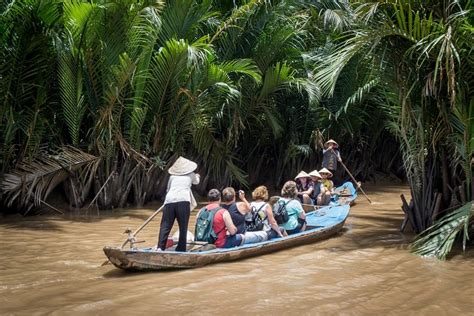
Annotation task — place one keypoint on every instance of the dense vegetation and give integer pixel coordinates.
(97, 97)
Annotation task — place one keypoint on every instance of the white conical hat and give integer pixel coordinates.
(324, 170)
(326, 144)
(302, 174)
(182, 166)
(315, 173)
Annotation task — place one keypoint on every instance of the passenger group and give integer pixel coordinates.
(226, 223)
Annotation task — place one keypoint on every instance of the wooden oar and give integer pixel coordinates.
(358, 186)
(138, 230)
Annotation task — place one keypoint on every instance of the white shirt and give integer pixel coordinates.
(179, 189)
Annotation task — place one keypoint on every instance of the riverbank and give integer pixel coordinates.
(52, 265)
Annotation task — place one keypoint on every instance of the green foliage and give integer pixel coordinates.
(438, 240)
(249, 89)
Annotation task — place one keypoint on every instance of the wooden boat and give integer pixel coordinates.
(321, 224)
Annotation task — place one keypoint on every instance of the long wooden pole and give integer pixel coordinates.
(139, 229)
(353, 179)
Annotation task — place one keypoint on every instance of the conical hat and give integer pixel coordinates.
(302, 174)
(324, 170)
(315, 173)
(326, 144)
(182, 166)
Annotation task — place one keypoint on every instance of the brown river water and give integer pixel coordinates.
(52, 265)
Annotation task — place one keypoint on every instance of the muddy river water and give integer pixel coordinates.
(52, 265)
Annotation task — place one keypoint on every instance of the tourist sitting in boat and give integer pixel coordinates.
(316, 178)
(327, 187)
(179, 201)
(224, 228)
(296, 215)
(261, 214)
(304, 186)
(237, 212)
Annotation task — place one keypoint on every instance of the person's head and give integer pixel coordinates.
(214, 195)
(302, 177)
(182, 166)
(228, 195)
(289, 190)
(315, 176)
(331, 143)
(260, 193)
(325, 173)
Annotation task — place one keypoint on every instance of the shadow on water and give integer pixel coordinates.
(120, 274)
(33, 224)
(56, 222)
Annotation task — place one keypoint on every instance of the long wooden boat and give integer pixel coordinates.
(321, 224)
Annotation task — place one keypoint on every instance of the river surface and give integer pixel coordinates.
(52, 265)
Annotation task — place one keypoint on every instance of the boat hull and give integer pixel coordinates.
(323, 224)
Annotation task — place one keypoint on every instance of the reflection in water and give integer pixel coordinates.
(53, 265)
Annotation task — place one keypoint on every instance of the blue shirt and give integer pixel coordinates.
(294, 210)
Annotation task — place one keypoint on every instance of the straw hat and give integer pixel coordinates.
(331, 141)
(302, 174)
(315, 173)
(182, 166)
(326, 171)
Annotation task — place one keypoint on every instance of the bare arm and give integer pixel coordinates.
(302, 213)
(272, 221)
(244, 205)
(309, 191)
(228, 223)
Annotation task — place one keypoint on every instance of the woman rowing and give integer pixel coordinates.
(179, 201)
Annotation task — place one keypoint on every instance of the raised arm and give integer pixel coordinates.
(244, 205)
(195, 177)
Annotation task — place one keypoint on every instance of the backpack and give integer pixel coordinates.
(280, 213)
(254, 220)
(204, 221)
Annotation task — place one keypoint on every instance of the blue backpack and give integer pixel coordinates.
(204, 221)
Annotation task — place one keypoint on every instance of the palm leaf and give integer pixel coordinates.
(31, 182)
(439, 239)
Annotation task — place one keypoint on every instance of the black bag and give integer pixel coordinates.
(280, 213)
(254, 220)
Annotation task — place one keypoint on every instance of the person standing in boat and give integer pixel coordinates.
(179, 201)
(331, 156)
(296, 215)
(304, 185)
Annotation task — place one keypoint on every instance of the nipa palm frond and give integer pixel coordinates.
(438, 239)
(31, 182)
